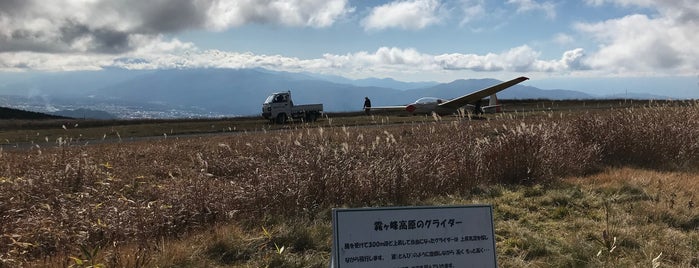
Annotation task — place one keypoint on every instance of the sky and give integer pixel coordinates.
(557, 43)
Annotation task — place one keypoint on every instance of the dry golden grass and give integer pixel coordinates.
(75, 201)
(621, 217)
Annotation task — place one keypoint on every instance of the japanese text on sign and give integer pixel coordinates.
(407, 237)
(414, 224)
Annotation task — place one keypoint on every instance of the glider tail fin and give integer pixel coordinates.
(494, 103)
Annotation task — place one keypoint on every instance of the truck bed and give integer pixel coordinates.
(307, 107)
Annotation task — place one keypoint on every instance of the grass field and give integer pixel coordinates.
(609, 187)
(19, 132)
(47, 132)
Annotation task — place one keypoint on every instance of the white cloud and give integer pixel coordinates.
(681, 11)
(574, 60)
(471, 10)
(532, 5)
(384, 59)
(519, 59)
(21, 61)
(408, 14)
(641, 45)
(620, 2)
(314, 13)
(163, 54)
(563, 39)
(89, 35)
(152, 52)
(103, 26)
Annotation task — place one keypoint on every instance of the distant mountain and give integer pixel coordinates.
(241, 92)
(10, 113)
(462, 87)
(64, 84)
(237, 92)
(228, 92)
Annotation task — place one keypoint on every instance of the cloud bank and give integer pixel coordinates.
(134, 34)
(641, 44)
(68, 35)
(530, 6)
(410, 15)
(113, 27)
(363, 63)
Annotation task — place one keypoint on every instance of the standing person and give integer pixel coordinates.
(478, 110)
(367, 105)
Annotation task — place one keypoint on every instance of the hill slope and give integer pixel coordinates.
(238, 92)
(241, 91)
(9, 113)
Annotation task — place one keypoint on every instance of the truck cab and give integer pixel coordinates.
(279, 108)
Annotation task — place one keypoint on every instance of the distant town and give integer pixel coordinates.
(100, 110)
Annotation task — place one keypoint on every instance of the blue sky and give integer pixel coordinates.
(580, 44)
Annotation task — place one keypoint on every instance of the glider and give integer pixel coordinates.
(429, 105)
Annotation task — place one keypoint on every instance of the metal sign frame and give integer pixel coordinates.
(414, 236)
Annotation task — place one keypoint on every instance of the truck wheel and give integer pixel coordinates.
(281, 119)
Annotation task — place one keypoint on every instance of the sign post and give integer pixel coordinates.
(414, 237)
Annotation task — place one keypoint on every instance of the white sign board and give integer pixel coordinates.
(414, 237)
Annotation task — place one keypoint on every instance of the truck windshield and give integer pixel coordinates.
(269, 99)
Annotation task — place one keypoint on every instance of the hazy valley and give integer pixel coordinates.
(193, 93)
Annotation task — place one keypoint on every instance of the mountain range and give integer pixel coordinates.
(228, 92)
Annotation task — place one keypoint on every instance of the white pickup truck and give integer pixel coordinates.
(279, 108)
